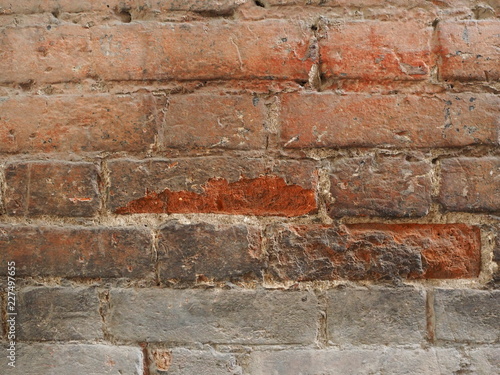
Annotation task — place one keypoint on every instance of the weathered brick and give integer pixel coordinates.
(380, 185)
(213, 184)
(215, 316)
(78, 123)
(330, 120)
(76, 251)
(374, 251)
(269, 49)
(485, 360)
(377, 51)
(220, 252)
(356, 361)
(380, 316)
(55, 313)
(181, 361)
(52, 188)
(469, 50)
(219, 7)
(465, 315)
(50, 359)
(470, 184)
(215, 121)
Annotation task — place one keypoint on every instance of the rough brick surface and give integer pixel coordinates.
(180, 361)
(215, 121)
(380, 185)
(390, 120)
(76, 251)
(374, 251)
(376, 316)
(377, 51)
(470, 184)
(269, 49)
(219, 184)
(92, 359)
(389, 361)
(215, 316)
(467, 315)
(469, 50)
(199, 251)
(47, 313)
(79, 123)
(52, 188)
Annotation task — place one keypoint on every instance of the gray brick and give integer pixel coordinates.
(181, 361)
(384, 360)
(58, 314)
(74, 359)
(485, 360)
(467, 315)
(217, 316)
(376, 316)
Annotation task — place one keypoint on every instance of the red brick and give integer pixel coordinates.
(360, 120)
(270, 49)
(215, 121)
(221, 7)
(52, 188)
(374, 251)
(205, 251)
(76, 251)
(217, 184)
(470, 184)
(377, 51)
(469, 50)
(380, 185)
(77, 123)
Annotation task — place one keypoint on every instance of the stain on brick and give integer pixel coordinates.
(264, 196)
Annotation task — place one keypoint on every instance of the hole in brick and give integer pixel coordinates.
(259, 3)
(56, 13)
(435, 23)
(314, 27)
(125, 16)
(28, 85)
(302, 83)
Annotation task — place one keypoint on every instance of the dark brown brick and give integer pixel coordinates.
(374, 251)
(79, 123)
(361, 120)
(206, 251)
(52, 188)
(469, 50)
(213, 184)
(381, 185)
(77, 251)
(470, 184)
(215, 121)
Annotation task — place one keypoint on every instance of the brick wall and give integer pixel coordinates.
(251, 187)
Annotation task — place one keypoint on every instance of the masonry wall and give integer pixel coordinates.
(250, 187)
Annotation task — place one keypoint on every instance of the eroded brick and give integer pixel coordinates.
(213, 184)
(470, 184)
(374, 251)
(55, 313)
(361, 120)
(77, 251)
(52, 188)
(79, 123)
(380, 185)
(221, 252)
(469, 50)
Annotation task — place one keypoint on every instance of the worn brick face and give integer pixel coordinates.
(205, 251)
(213, 185)
(52, 188)
(374, 251)
(469, 50)
(77, 251)
(380, 185)
(391, 120)
(470, 184)
(79, 123)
